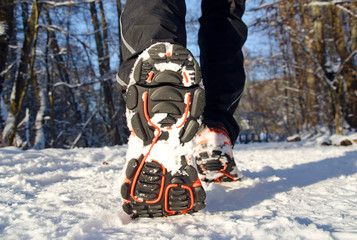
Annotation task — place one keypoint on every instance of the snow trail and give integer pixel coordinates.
(290, 191)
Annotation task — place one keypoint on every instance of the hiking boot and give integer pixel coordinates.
(165, 100)
(214, 156)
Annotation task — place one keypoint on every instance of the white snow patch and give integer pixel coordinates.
(337, 139)
(40, 137)
(3, 110)
(8, 126)
(170, 66)
(290, 191)
(3, 27)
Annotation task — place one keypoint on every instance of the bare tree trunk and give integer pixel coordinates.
(104, 68)
(339, 106)
(289, 103)
(319, 43)
(105, 36)
(352, 85)
(354, 27)
(6, 27)
(311, 89)
(6, 30)
(347, 71)
(119, 11)
(288, 12)
(49, 90)
(39, 139)
(21, 80)
(319, 22)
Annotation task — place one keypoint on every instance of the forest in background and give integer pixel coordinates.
(302, 78)
(59, 60)
(58, 77)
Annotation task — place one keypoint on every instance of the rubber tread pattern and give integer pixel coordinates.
(182, 190)
(167, 91)
(216, 162)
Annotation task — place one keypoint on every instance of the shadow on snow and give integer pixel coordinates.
(297, 176)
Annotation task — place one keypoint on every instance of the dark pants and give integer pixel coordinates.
(221, 37)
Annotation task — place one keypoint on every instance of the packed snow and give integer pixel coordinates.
(290, 191)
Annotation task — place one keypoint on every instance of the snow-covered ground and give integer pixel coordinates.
(290, 191)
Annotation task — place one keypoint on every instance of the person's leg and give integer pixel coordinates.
(221, 37)
(144, 23)
(164, 101)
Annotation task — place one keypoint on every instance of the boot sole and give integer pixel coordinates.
(216, 167)
(164, 102)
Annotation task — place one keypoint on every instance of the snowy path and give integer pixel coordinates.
(290, 191)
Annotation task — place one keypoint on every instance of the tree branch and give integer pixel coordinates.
(334, 2)
(64, 4)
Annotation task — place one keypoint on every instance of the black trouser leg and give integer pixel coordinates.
(221, 37)
(145, 22)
